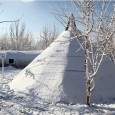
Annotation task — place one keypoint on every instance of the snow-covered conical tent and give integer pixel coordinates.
(57, 74)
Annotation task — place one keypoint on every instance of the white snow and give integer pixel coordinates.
(8, 68)
(11, 104)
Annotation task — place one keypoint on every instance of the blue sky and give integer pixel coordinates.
(35, 14)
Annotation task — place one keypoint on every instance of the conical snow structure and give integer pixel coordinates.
(57, 74)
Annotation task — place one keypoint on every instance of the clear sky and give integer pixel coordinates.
(34, 13)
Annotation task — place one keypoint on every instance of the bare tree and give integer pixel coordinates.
(48, 35)
(96, 39)
(95, 50)
(3, 40)
(20, 39)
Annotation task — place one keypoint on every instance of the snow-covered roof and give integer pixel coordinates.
(20, 58)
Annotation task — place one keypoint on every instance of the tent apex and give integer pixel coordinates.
(71, 25)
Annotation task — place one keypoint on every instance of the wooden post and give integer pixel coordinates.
(68, 24)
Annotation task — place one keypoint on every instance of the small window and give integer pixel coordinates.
(11, 61)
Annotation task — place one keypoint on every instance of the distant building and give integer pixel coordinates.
(19, 59)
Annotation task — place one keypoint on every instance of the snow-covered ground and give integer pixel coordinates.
(11, 104)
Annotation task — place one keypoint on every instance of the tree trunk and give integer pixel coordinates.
(88, 92)
(87, 73)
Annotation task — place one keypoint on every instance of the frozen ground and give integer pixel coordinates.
(11, 104)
